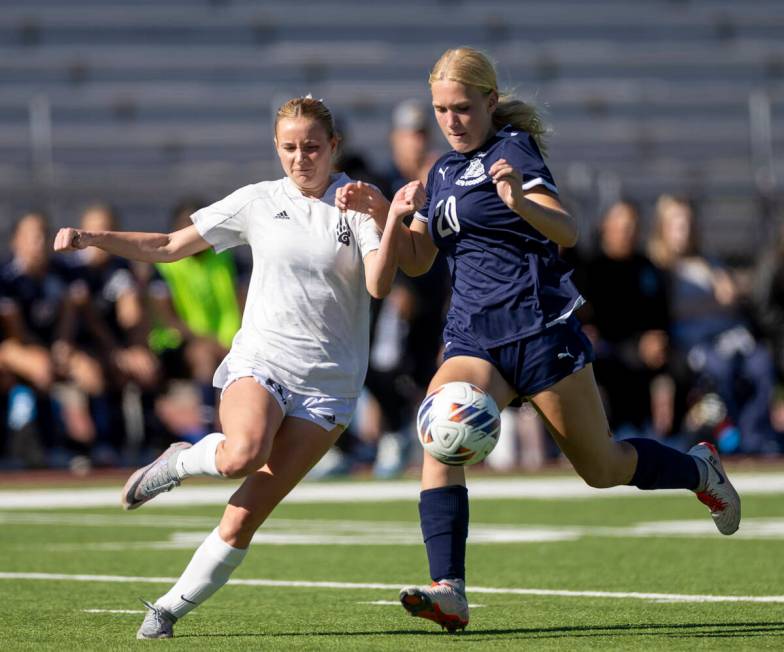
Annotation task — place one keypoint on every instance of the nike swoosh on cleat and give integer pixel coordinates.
(716, 471)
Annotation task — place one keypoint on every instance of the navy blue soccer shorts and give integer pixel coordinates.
(532, 364)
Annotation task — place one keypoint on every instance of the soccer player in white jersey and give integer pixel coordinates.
(291, 380)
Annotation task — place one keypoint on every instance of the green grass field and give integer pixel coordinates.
(607, 545)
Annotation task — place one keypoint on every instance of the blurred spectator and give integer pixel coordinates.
(734, 372)
(37, 311)
(20, 441)
(403, 357)
(627, 318)
(407, 330)
(524, 443)
(6, 384)
(768, 295)
(410, 146)
(112, 328)
(352, 161)
(195, 311)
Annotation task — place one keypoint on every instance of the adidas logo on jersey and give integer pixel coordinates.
(474, 173)
(283, 215)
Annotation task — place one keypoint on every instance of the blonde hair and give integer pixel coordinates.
(308, 107)
(658, 249)
(473, 68)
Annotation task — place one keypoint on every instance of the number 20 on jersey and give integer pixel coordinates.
(446, 217)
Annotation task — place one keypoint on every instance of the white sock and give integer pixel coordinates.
(209, 569)
(199, 459)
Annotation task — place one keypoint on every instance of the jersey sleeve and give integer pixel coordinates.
(224, 223)
(367, 234)
(421, 214)
(523, 154)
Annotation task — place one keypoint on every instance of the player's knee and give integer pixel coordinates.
(240, 467)
(238, 461)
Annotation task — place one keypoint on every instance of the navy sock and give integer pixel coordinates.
(662, 467)
(443, 514)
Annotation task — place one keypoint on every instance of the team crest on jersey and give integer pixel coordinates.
(474, 173)
(343, 232)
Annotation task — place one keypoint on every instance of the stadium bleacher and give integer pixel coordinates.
(152, 99)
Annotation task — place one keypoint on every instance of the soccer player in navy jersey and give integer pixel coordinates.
(493, 209)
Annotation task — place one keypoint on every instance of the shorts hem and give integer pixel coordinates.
(324, 424)
(233, 379)
(552, 380)
(469, 354)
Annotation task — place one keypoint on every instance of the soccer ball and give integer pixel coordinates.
(458, 424)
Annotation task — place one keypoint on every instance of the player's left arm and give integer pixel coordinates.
(539, 207)
(381, 264)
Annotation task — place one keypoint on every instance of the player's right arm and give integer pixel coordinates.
(145, 247)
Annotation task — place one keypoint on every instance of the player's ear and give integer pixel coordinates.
(492, 101)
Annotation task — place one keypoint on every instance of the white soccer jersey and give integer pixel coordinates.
(308, 310)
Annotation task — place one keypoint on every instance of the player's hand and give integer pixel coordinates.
(68, 239)
(363, 198)
(408, 199)
(508, 182)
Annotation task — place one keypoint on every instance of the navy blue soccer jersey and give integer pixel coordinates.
(38, 299)
(508, 281)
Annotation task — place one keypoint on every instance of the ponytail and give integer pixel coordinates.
(522, 116)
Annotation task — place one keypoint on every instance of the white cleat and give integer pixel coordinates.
(443, 602)
(157, 623)
(718, 494)
(153, 479)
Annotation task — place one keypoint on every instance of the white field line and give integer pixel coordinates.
(371, 533)
(396, 603)
(390, 602)
(670, 597)
(564, 487)
(119, 520)
(113, 611)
